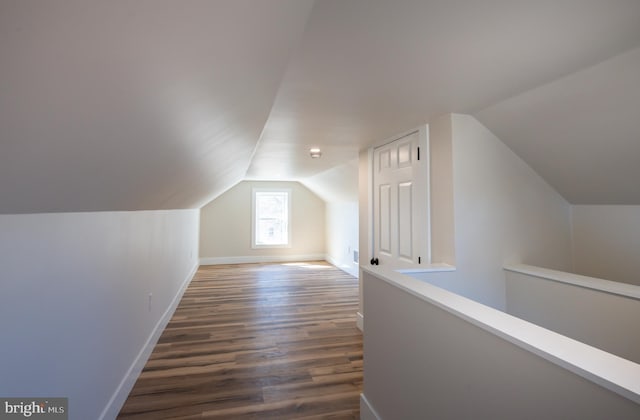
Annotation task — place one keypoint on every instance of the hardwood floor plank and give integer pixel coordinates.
(257, 341)
(321, 405)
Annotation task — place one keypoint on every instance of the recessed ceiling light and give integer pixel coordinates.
(315, 152)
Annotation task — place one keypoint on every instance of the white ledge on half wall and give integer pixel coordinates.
(607, 370)
(428, 268)
(607, 286)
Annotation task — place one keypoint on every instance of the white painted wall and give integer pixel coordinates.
(342, 235)
(338, 187)
(432, 354)
(441, 194)
(503, 212)
(606, 242)
(225, 226)
(365, 220)
(584, 308)
(74, 300)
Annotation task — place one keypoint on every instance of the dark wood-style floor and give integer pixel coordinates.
(257, 341)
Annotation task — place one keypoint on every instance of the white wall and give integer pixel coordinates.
(503, 212)
(338, 187)
(365, 220)
(432, 354)
(606, 242)
(441, 194)
(225, 227)
(74, 305)
(598, 312)
(342, 235)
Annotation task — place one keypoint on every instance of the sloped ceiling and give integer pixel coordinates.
(135, 104)
(369, 69)
(580, 132)
(157, 104)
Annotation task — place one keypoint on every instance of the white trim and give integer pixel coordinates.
(371, 224)
(249, 259)
(360, 321)
(424, 143)
(349, 268)
(428, 268)
(121, 393)
(367, 412)
(605, 369)
(613, 287)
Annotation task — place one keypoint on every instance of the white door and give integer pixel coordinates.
(400, 207)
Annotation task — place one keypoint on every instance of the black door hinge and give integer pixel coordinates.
(418, 153)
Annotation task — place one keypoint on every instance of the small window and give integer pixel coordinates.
(271, 218)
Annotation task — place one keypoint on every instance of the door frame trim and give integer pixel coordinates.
(423, 143)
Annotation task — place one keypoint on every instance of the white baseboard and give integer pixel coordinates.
(260, 259)
(122, 392)
(366, 410)
(347, 268)
(360, 321)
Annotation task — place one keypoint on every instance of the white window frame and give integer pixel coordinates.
(254, 215)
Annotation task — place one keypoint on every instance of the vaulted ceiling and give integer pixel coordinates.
(135, 104)
(156, 104)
